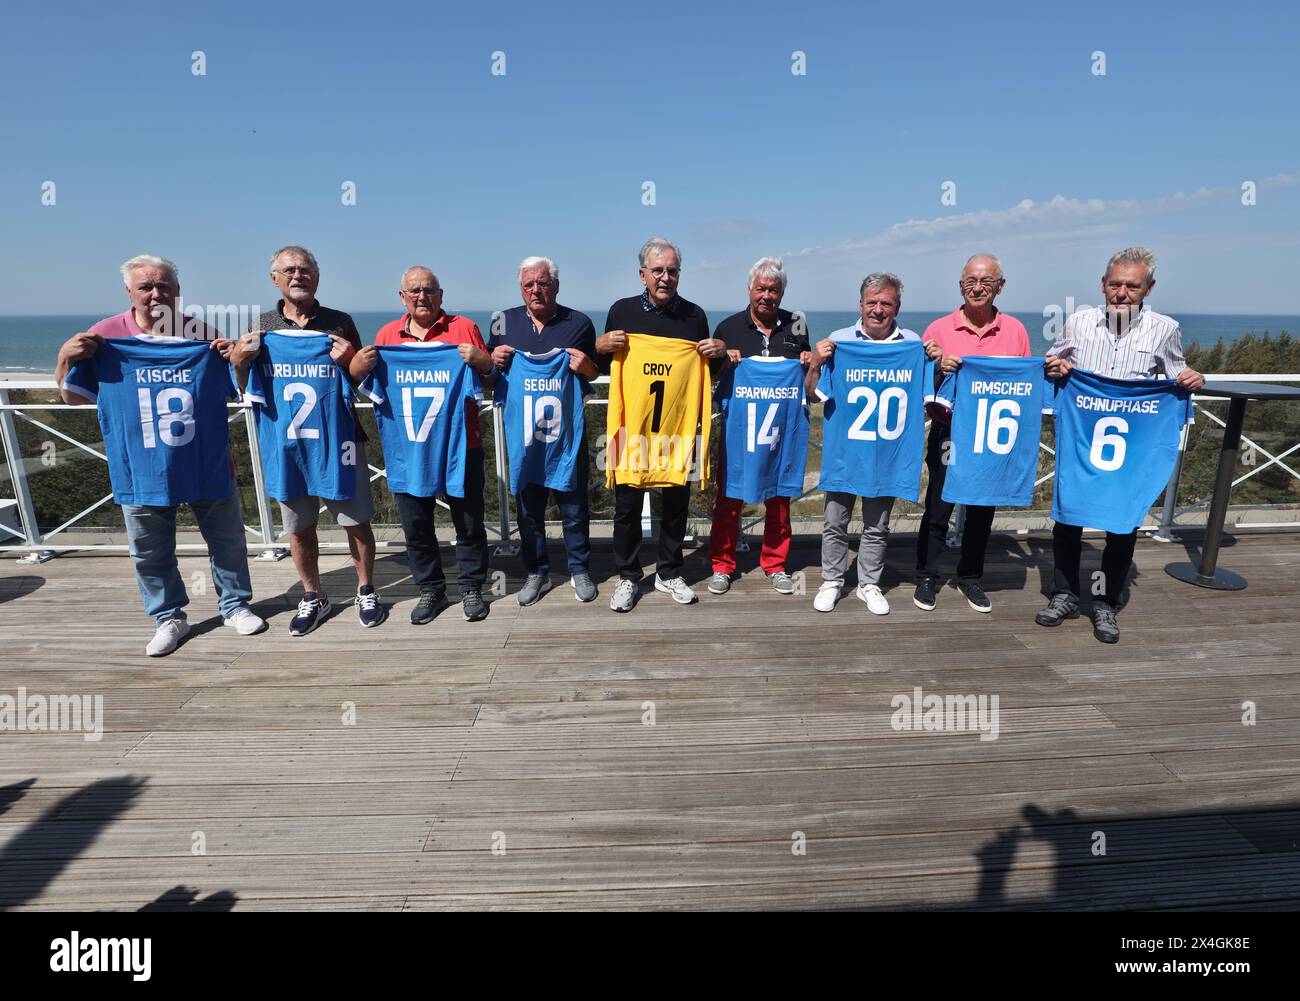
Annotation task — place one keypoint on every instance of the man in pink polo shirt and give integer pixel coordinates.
(975, 328)
(425, 321)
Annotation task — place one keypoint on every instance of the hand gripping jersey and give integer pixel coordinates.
(302, 406)
(766, 429)
(162, 408)
(419, 391)
(658, 395)
(1116, 445)
(997, 406)
(544, 418)
(873, 424)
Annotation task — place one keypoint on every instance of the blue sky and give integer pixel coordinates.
(840, 171)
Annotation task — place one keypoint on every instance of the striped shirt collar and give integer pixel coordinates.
(894, 335)
(650, 307)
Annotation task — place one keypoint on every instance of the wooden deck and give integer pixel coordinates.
(526, 732)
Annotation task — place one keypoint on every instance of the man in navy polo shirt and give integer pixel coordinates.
(540, 325)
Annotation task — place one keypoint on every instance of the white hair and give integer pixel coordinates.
(1135, 255)
(530, 263)
(983, 257)
(882, 279)
(768, 267)
(657, 245)
(148, 261)
(293, 248)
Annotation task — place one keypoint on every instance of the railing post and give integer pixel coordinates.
(505, 547)
(1165, 532)
(272, 551)
(18, 476)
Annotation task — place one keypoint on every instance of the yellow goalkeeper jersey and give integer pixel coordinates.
(658, 397)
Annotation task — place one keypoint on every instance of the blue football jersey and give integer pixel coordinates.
(419, 392)
(1116, 445)
(997, 406)
(302, 406)
(765, 427)
(873, 423)
(162, 408)
(544, 418)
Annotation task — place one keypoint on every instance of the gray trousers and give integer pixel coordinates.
(871, 548)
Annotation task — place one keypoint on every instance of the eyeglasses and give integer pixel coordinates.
(290, 272)
(660, 272)
(417, 293)
(980, 282)
(541, 283)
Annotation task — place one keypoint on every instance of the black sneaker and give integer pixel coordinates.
(312, 611)
(1104, 625)
(369, 611)
(923, 597)
(975, 596)
(429, 605)
(1062, 606)
(473, 605)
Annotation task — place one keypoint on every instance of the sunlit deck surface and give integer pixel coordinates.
(525, 732)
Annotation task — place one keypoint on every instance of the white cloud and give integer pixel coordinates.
(1059, 218)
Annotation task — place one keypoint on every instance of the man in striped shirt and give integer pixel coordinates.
(1123, 341)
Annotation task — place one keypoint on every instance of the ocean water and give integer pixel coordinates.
(30, 343)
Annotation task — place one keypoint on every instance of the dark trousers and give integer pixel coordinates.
(932, 537)
(1116, 558)
(575, 515)
(672, 530)
(417, 515)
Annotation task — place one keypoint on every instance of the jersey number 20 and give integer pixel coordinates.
(890, 424)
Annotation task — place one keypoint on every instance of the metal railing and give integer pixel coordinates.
(38, 544)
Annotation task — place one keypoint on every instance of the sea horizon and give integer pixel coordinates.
(29, 342)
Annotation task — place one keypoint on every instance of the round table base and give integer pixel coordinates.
(1190, 573)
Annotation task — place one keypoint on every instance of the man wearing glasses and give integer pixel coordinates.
(425, 322)
(541, 325)
(295, 273)
(660, 312)
(976, 327)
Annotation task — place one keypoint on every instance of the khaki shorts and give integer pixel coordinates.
(302, 513)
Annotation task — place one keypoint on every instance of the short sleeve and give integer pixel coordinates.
(83, 380)
(824, 380)
(501, 390)
(372, 386)
(927, 379)
(255, 391)
(946, 394)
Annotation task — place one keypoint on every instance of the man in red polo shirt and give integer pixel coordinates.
(976, 328)
(425, 321)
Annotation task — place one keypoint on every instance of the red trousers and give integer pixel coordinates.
(726, 530)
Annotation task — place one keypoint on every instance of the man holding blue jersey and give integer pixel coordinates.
(425, 322)
(879, 299)
(152, 285)
(766, 330)
(1124, 340)
(539, 326)
(978, 328)
(296, 275)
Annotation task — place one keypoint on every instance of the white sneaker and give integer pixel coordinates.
(876, 602)
(245, 622)
(827, 595)
(682, 594)
(168, 637)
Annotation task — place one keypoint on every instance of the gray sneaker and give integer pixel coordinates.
(1104, 625)
(625, 595)
(1062, 606)
(584, 587)
(720, 583)
(472, 605)
(782, 582)
(534, 587)
(677, 587)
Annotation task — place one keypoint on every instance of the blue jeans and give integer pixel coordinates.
(530, 503)
(151, 531)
